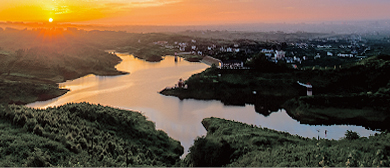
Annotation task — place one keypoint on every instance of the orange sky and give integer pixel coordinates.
(191, 12)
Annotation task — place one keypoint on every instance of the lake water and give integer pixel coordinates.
(181, 119)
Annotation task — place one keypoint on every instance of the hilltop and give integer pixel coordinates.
(235, 144)
(82, 135)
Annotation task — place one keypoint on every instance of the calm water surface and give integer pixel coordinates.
(181, 119)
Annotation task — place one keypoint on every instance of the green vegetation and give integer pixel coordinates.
(33, 62)
(82, 135)
(355, 93)
(17, 92)
(146, 46)
(330, 110)
(358, 94)
(150, 52)
(58, 65)
(234, 144)
(32, 75)
(273, 84)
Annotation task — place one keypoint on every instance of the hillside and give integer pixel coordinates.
(33, 62)
(354, 93)
(82, 135)
(234, 144)
(358, 94)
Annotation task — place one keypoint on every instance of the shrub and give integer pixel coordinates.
(38, 130)
(209, 152)
(38, 159)
(350, 135)
(30, 124)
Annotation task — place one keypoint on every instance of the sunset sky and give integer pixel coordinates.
(191, 12)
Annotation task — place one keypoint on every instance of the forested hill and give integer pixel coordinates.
(357, 94)
(30, 75)
(33, 62)
(58, 64)
(76, 135)
(235, 144)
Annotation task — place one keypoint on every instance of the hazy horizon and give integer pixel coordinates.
(338, 27)
(192, 12)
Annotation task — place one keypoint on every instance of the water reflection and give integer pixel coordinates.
(181, 119)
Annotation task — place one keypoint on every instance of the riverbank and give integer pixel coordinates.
(89, 135)
(23, 91)
(32, 75)
(342, 88)
(155, 53)
(82, 135)
(267, 91)
(234, 144)
(367, 110)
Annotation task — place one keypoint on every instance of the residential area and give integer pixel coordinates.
(319, 51)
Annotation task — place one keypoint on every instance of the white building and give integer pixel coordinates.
(317, 56)
(267, 51)
(280, 54)
(229, 49)
(232, 64)
(345, 55)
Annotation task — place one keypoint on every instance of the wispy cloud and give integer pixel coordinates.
(132, 3)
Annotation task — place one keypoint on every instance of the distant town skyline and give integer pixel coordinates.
(191, 12)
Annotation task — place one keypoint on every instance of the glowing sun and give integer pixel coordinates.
(51, 20)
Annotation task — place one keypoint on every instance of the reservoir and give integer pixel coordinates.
(181, 119)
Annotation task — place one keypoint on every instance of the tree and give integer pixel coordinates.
(259, 62)
(350, 135)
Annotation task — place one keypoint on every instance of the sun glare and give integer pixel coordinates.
(51, 20)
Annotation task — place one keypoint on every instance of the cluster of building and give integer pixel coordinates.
(275, 55)
(195, 49)
(323, 45)
(227, 64)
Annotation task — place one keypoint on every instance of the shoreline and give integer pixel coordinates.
(370, 118)
(334, 102)
(23, 87)
(235, 144)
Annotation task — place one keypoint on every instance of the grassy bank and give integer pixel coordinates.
(235, 144)
(82, 135)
